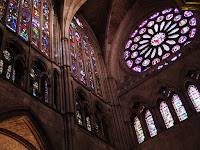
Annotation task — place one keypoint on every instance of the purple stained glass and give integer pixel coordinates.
(143, 23)
(150, 123)
(166, 11)
(129, 63)
(182, 39)
(192, 33)
(138, 130)
(13, 15)
(177, 18)
(36, 23)
(126, 54)
(155, 61)
(159, 19)
(154, 16)
(175, 48)
(138, 60)
(176, 10)
(25, 19)
(137, 38)
(128, 44)
(174, 58)
(137, 69)
(169, 17)
(146, 62)
(134, 47)
(194, 95)
(134, 33)
(134, 54)
(45, 30)
(193, 22)
(188, 13)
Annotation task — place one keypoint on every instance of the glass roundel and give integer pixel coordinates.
(158, 37)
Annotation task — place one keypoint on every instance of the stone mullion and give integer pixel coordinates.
(19, 16)
(41, 25)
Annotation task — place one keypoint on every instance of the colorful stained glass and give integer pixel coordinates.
(89, 67)
(182, 39)
(185, 30)
(78, 22)
(155, 61)
(193, 22)
(13, 15)
(128, 44)
(169, 17)
(160, 67)
(7, 55)
(73, 54)
(143, 23)
(134, 54)
(167, 117)
(88, 124)
(79, 117)
(46, 96)
(192, 33)
(134, 47)
(177, 18)
(9, 72)
(150, 24)
(25, 19)
(13, 75)
(137, 69)
(32, 73)
(97, 129)
(175, 48)
(126, 54)
(146, 62)
(45, 30)
(154, 15)
(150, 123)
(129, 63)
(158, 39)
(73, 25)
(174, 58)
(176, 10)
(188, 13)
(138, 60)
(143, 30)
(134, 33)
(159, 19)
(194, 95)
(183, 22)
(2, 9)
(137, 38)
(166, 11)
(35, 88)
(1, 67)
(36, 23)
(138, 130)
(179, 108)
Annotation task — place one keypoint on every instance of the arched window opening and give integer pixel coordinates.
(56, 86)
(44, 89)
(97, 127)
(179, 108)
(167, 117)
(2, 9)
(150, 123)
(34, 82)
(88, 121)
(78, 114)
(9, 71)
(19, 72)
(83, 57)
(138, 130)
(194, 95)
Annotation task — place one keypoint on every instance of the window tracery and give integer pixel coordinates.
(194, 95)
(139, 130)
(159, 37)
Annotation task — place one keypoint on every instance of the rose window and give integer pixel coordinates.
(159, 38)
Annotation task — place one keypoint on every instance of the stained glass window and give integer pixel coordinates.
(78, 22)
(73, 53)
(36, 23)
(7, 55)
(45, 30)
(13, 15)
(150, 123)
(1, 66)
(46, 92)
(13, 75)
(167, 117)
(78, 114)
(97, 128)
(9, 71)
(179, 108)
(96, 74)
(88, 64)
(2, 9)
(158, 37)
(32, 73)
(35, 88)
(138, 130)
(89, 128)
(194, 96)
(25, 19)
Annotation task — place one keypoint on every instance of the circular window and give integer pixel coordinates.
(160, 36)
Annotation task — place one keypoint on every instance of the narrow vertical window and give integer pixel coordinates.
(73, 53)
(194, 96)
(80, 58)
(1, 66)
(150, 123)
(35, 88)
(167, 117)
(9, 71)
(89, 128)
(138, 130)
(25, 20)
(36, 23)
(97, 128)
(45, 30)
(46, 92)
(13, 15)
(2, 9)
(98, 85)
(179, 108)
(13, 75)
(88, 65)
(78, 114)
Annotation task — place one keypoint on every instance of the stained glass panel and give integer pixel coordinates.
(32, 73)
(35, 88)
(97, 129)
(179, 108)
(36, 23)
(13, 15)
(45, 30)
(7, 55)
(2, 9)
(73, 53)
(150, 123)
(9, 71)
(1, 66)
(46, 92)
(13, 75)
(79, 117)
(194, 96)
(167, 117)
(138, 130)
(25, 19)
(89, 128)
